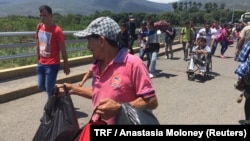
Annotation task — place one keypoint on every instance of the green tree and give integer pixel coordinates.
(175, 6)
(222, 6)
(180, 8)
(185, 5)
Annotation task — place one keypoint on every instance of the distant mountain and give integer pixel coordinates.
(239, 5)
(30, 7)
(64, 7)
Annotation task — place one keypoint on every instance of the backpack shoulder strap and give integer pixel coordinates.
(173, 29)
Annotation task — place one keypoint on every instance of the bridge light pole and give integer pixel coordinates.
(232, 19)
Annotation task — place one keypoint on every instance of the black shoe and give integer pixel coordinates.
(190, 71)
(240, 85)
(243, 122)
(41, 119)
(246, 122)
(172, 56)
(237, 59)
(239, 99)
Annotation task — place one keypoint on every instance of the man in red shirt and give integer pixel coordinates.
(50, 41)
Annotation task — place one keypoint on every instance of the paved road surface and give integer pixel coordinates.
(180, 101)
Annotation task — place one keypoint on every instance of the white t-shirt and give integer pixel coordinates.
(215, 31)
(207, 35)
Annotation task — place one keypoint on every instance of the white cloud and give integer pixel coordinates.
(163, 1)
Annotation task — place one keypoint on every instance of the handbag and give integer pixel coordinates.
(85, 133)
(129, 115)
(230, 40)
(59, 121)
(219, 37)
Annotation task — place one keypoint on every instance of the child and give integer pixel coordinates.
(200, 51)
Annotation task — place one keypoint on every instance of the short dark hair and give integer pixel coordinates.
(151, 23)
(202, 39)
(187, 23)
(112, 42)
(46, 7)
(123, 24)
(95, 36)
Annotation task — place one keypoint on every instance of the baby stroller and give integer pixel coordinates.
(204, 62)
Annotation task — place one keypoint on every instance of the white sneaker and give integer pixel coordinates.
(166, 57)
(151, 75)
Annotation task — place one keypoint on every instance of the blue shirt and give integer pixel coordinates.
(168, 36)
(152, 36)
(244, 58)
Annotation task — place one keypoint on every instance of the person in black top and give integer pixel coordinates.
(170, 34)
(132, 35)
(123, 36)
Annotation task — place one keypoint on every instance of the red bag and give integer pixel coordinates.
(85, 134)
(219, 37)
(230, 40)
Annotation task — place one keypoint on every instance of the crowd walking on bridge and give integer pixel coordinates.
(118, 75)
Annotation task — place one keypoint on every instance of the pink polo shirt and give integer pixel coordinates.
(123, 80)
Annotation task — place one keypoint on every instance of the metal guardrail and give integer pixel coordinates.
(31, 44)
(28, 33)
(9, 73)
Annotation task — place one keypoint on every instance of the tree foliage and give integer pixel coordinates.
(195, 11)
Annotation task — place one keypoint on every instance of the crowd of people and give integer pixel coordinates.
(118, 75)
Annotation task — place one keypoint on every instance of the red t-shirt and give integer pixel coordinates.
(49, 40)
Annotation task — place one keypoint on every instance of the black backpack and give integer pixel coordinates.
(174, 33)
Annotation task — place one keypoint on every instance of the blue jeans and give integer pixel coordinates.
(46, 77)
(224, 46)
(185, 47)
(153, 57)
(141, 53)
(214, 47)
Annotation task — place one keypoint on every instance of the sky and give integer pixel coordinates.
(163, 1)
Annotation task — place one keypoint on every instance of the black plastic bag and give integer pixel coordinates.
(129, 115)
(59, 121)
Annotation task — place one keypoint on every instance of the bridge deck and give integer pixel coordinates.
(26, 85)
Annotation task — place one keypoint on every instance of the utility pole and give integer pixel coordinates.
(232, 19)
